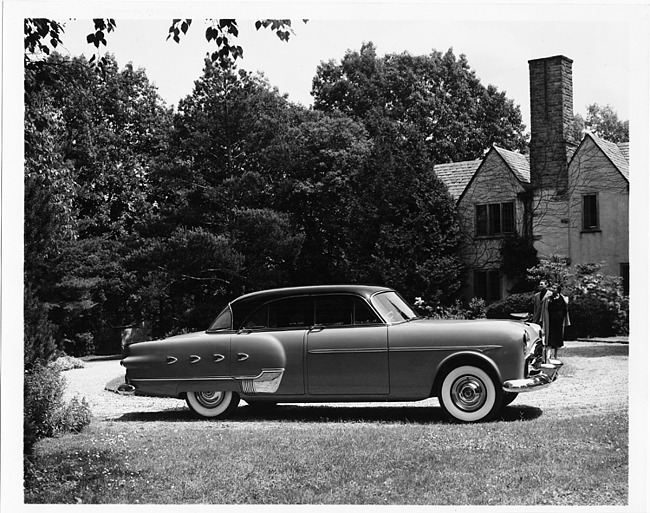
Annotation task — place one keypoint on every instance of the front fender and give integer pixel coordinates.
(473, 357)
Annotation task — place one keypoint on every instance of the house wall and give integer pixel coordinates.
(492, 183)
(591, 172)
(550, 223)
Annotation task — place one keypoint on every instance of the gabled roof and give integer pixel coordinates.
(456, 175)
(518, 163)
(618, 154)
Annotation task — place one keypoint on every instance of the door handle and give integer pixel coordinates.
(242, 357)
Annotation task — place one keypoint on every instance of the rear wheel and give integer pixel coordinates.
(213, 404)
(469, 394)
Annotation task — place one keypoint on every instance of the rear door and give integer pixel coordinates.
(347, 348)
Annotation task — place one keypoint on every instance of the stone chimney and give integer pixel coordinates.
(551, 117)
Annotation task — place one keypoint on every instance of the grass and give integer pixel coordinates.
(338, 455)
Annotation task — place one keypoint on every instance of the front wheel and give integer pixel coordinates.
(213, 404)
(469, 394)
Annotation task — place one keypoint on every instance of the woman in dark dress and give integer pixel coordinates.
(555, 317)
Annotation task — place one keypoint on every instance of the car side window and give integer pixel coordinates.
(344, 310)
(334, 310)
(223, 321)
(284, 313)
(291, 313)
(259, 319)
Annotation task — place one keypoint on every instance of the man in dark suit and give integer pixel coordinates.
(539, 297)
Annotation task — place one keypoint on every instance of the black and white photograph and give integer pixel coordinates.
(348, 255)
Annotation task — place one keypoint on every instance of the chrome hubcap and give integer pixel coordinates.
(468, 393)
(209, 399)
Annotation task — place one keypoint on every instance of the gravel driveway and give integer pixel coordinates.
(594, 380)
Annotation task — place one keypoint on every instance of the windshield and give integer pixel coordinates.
(392, 307)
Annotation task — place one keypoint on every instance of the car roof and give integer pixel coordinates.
(244, 305)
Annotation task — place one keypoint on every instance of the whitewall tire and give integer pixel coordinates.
(469, 394)
(213, 404)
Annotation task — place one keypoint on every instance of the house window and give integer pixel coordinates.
(590, 212)
(495, 219)
(487, 285)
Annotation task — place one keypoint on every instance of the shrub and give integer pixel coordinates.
(597, 306)
(72, 417)
(456, 311)
(65, 362)
(43, 396)
(590, 317)
(515, 303)
(45, 413)
(622, 322)
(477, 308)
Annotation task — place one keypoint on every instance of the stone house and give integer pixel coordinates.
(571, 198)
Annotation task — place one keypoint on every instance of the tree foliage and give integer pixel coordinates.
(43, 35)
(603, 122)
(137, 214)
(90, 142)
(437, 96)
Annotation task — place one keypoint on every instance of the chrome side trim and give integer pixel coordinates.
(195, 358)
(184, 380)
(219, 358)
(266, 382)
(347, 350)
(171, 360)
(446, 348)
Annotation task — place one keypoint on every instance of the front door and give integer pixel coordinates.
(347, 348)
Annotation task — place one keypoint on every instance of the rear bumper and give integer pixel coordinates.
(544, 376)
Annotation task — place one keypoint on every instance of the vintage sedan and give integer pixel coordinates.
(341, 343)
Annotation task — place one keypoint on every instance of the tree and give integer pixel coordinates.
(217, 187)
(403, 229)
(603, 122)
(318, 161)
(91, 141)
(44, 35)
(437, 95)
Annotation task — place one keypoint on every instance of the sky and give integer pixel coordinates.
(498, 41)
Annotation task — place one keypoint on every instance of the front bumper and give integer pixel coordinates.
(541, 377)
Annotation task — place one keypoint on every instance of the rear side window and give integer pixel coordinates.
(284, 313)
(223, 321)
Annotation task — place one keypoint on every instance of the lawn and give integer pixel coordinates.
(340, 455)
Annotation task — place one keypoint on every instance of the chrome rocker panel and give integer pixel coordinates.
(266, 382)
